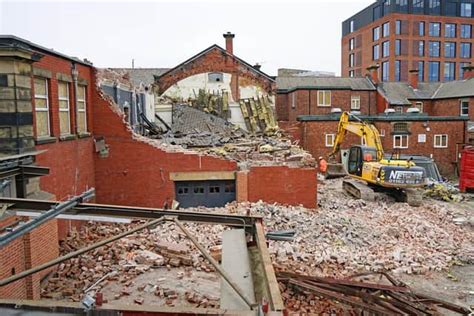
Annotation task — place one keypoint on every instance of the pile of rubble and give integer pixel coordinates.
(123, 261)
(209, 134)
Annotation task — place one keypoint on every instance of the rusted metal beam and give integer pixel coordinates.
(216, 265)
(76, 253)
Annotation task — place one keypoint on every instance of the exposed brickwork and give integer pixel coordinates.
(409, 38)
(220, 61)
(306, 103)
(283, 185)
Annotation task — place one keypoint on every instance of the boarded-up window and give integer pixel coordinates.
(358, 41)
(42, 107)
(358, 59)
(81, 109)
(64, 117)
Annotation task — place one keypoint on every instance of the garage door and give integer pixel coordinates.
(205, 193)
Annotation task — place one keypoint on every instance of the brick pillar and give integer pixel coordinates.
(242, 179)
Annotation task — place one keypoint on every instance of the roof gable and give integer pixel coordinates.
(291, 83)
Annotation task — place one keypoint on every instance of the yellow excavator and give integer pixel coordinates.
(367, 163)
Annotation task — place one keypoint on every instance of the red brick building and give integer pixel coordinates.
(433, 36)
(428, 120)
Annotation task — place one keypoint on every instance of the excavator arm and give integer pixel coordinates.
(367, 131)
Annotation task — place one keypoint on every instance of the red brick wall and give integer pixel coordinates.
(136, 173)
(408, 37)
(293, 129)
(314, 140)
(306, 103)
(216, 60)
(35, 248)
(284, 185)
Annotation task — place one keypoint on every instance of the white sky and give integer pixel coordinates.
(277, 34)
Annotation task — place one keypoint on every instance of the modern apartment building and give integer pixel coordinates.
(432, 36)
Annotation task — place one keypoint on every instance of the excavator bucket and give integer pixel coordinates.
(335, 170)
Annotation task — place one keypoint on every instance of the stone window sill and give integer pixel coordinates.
(84, 135)
(67, 137)
(45, 140)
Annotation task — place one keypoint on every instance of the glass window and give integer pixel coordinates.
(329, 141)
(449, 71)
(81, 109)
(397, 70)
(401, 5)
(183, 190)
(464, 108)
(465, 50)
(441, 141)
(450, 8)
(435, 29)
(466, 10)
(421, 48)
(355, 102)
(324, 98)
(42, 107)
(351, 60)
(450, 30)
(434, 49)
(400, 141)
(433, 71)
(229, 188)
(375, 52)
(386, 7)
(466, 30)
(398, 27)
(450, 50)
(351, 73)
(418, 6)
(386, 29)
(421, 71)
(434, 7)
(352, 26)
(419, 106)
(421, 28)
(351, 44)
(385, 71)
(376, 33)
(64, 116)
(398, 47)
(386, 49)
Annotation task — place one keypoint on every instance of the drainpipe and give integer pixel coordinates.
(309, 102)
(75, 75)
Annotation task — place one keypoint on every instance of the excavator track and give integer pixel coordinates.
(358, 189)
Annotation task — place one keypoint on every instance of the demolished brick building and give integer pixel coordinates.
(83, 137)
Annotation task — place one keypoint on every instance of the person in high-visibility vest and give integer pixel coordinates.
(323, 165)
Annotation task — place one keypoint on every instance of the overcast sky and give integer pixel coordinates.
(276, 34)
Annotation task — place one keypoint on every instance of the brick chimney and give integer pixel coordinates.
(414, 78)
(468, 72)
(374, 73)
(229, 42)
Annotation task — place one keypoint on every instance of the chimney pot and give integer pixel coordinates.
(374, 73)
(257, 66)
(414, 78)
(229, 42)
(468, 72)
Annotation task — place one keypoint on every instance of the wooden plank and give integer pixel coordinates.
(275, 298)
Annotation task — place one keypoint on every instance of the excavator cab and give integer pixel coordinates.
(357, 156)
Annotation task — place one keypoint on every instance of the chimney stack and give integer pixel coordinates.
(229, 42)
(468, 72)
(414, 78)
(374, 73)
(257, 66)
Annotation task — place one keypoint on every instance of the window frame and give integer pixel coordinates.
(400, 145)
(421, 28)
(376, 52)
(332, 136)
(440, 145)
(398, 27)
(463, 31)
(355, 100)
(452, 69)
(293, 100)
(386, 44)
(421, 48)
(461, 103)
(462, 9)
(446, 30)
(430, 63)
(84, 110)
(68, 109)
(398, 47)
(431, 30)
(375, 31)
(462, 51)
(324, 92)
(452, 49)
(46, 109)
(419, 106)
(386, 29)
(431, 49)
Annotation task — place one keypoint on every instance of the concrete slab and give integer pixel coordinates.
(236, 262)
